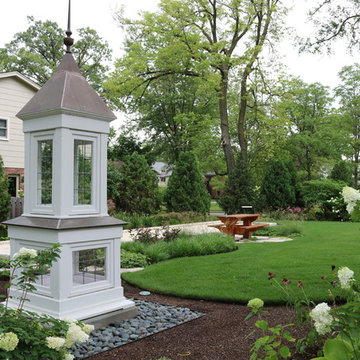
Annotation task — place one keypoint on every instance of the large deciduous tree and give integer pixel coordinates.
(37, 51)
(334, 19)
(210, 40)
(349, 95)
(307, 108)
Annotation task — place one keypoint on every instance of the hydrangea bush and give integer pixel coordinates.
(336, 327)
(27, 335)
(352, 199)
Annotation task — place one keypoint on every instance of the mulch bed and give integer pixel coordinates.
(222, 334)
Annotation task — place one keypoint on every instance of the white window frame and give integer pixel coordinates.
(94, 207)
(37, 208)
(108, 282)
(6, 138)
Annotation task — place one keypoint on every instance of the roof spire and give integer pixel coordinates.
(68, 41)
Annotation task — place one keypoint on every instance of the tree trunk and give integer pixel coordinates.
(242, 116)
(224, 120)
(356, 168)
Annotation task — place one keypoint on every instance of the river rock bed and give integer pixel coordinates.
(152, 318)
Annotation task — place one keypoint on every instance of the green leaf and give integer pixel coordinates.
(335, 349)
(262, 324)
(284, 352)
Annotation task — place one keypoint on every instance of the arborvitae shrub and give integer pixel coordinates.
(137, 186)
(239, 189)
(4, 194)
(277, 188)
(342, 172)
(186, 190)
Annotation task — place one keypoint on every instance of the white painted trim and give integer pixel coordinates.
(7, 138)
(20, 77)
(31, 193)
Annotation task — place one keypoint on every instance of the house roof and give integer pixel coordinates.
(67, 91)
(20, 77)
(162, 168)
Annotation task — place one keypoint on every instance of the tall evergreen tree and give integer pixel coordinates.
(137, 187)
(4, 194)
(186, 189)
(239, 189)
(277, 188)
(342, 172)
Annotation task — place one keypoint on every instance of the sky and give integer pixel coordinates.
(99, 16)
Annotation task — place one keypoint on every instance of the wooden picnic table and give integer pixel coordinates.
(230, 224)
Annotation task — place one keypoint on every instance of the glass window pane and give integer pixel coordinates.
(44, 187)
(2, 132)
(82, 172)
(89, 266)
(3, 123)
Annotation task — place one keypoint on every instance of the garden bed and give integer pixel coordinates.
(222, 334)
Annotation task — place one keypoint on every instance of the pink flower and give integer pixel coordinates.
(286, 281)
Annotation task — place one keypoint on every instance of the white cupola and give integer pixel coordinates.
(66, 125)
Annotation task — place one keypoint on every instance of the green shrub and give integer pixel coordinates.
(133, 260)
(319, 191)
(355, 215)
(3, 232)
(278, 189)
(147, 235)
(238, 190)
(342, 172)
(288, 230)
(135, 190)
(4, 194)
(4, 263)
(172, 218)
(184, 245)
(133, 246)
(324, 200)
(186, 190)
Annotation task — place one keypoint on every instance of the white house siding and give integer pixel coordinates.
(14, 94)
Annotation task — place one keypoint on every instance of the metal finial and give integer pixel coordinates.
(68, 41)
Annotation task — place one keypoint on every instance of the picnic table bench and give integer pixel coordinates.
(230, 224)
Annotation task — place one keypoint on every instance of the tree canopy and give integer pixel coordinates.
(37, 51)
(334, 20)
(211, 41)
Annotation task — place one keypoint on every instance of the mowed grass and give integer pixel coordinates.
(242, 275)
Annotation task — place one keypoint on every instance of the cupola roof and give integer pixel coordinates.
(66, 91)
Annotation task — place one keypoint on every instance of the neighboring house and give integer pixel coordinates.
(15, 91)
(163, 171)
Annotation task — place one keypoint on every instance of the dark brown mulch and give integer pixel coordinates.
(222, 334)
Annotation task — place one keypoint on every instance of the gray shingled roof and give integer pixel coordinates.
(67, 90)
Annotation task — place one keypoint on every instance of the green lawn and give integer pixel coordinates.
(214, 207)
(242, 275)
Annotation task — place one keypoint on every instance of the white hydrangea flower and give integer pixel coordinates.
(351, 197)
(74, 335)
(24, 251)
(345, 276)
(56, 343)
(255, 303)
(69, 320)
(69, 357)
(87, 328)
(322, 318)
(8, 341)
